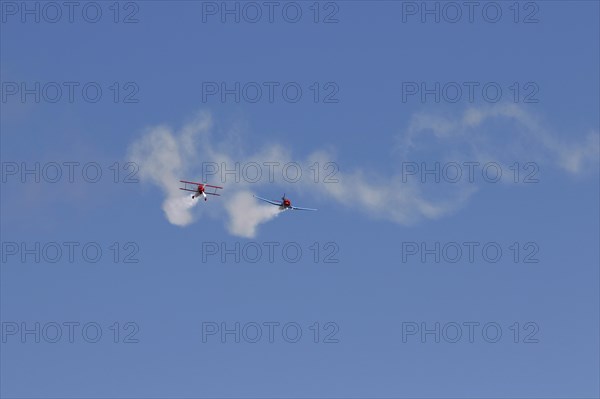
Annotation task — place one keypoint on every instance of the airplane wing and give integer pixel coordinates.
(185, 182)
(189, 182)
(302, 209)
(266, 200)
(214, 189)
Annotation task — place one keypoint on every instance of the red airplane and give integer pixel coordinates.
(285, 204)
(200, 189)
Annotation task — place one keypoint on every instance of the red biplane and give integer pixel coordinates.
(199, 189)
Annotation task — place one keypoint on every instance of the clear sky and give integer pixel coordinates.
(454, 252)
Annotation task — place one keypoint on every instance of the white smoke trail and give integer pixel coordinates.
(164, 157)
(246, 214)
(161, 158)
(178, 209)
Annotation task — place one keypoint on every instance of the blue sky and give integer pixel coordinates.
(376, 211)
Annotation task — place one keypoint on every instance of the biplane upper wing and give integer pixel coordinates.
(269, 201)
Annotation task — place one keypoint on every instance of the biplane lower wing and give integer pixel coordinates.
(195, 191)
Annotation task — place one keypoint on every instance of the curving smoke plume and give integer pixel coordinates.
(165, 156)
